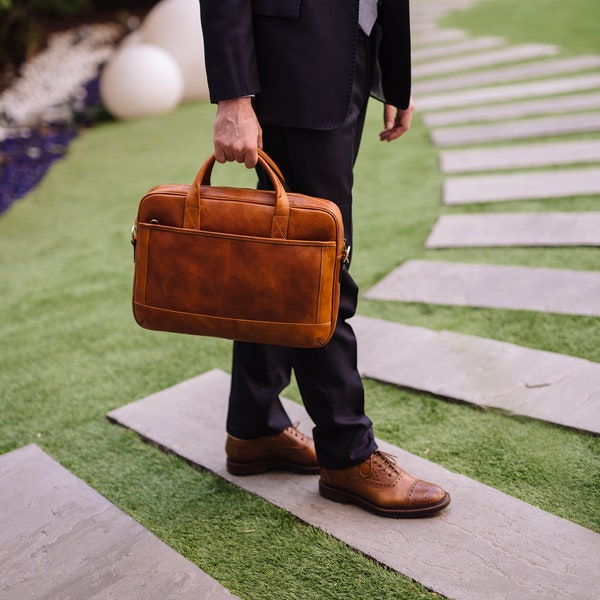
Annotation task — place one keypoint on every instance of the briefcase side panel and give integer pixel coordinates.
(140, 267)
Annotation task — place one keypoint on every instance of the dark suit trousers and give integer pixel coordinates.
(317, 163)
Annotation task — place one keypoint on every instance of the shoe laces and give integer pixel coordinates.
(387, 461)
(293, 429)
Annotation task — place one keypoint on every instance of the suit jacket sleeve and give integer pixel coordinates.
(229, 51)
(393, 70)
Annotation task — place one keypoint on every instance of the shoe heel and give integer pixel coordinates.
(332, 494)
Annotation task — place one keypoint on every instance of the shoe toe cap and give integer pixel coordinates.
(424, 494)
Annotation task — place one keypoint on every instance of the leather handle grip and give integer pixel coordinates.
(281, 215)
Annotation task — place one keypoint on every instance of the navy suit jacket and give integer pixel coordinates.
(297, 56)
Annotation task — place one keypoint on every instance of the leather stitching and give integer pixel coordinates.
(191, 217)
(277, 226)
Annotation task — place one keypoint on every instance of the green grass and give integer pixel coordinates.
(70, 352)
(572, 25)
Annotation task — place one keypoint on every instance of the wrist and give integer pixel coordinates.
(240, 100)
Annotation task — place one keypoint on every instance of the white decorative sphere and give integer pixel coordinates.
(134, 37)
(174, 26)
(141, 80)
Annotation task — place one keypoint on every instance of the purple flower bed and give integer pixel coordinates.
(27, 154)
(27, 158)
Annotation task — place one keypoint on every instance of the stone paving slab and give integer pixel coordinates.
(437, 37)
(516, 229)
(521, 186)
(516, 130)
(492, 286)
(485, 540)
(520, 157)
(423, 26)
(59, 539)
(543, 385)
(483, 59)
(558, 105)
(473, 45)
(527, 71)
(500, 93)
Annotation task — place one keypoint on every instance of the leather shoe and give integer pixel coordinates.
(380, 486)
(289, 450)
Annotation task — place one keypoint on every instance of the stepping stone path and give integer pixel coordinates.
(494, 104)
(60, 539)
(485, 540)
(492, 286)
(437, 37)
(516, 229)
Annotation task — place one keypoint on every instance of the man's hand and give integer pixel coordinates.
(396, 121)
(237, 133)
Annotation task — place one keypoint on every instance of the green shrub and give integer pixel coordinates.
(22, 28)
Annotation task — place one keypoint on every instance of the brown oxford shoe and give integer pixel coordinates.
(289, 450)
(382, 487)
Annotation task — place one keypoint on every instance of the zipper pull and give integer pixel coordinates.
(133, 239)
(346, 254)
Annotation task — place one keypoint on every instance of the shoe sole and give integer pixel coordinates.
(343, 497)
(255, 468)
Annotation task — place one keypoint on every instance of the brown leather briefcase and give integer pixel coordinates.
(243, 264)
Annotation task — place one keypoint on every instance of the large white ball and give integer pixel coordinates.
(174, 25)
(134, 37)
(141, 80)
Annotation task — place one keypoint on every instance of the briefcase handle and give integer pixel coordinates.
(281, 215)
